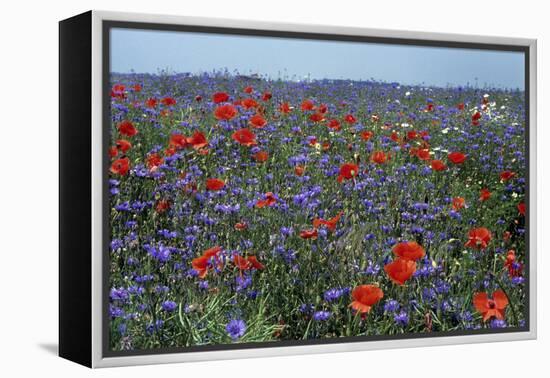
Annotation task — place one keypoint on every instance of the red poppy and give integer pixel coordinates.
(214, 184)
(394, 136)
(506, 175)
(241, 262)
(244, 137)
(154, 160)
(330, 223)
(200, 265)
(457, 157)
(349, 118)
(137, 88)
(484, 194)
(438, 165)
(225, 112)
(248, 89)
(366, 135)
(521, 208)
(309, 234)
(219, 97)
(307, 105)
(514, 268)
(379, 157)
(121, 166)
(423, 154)
(249, 103)
(123, 145)
(127, 128)
(317, 117)
(113, 151)
(213, 251)
(334, 124)
(168, 101)
(299, 170)
(409, 250)
(475, 118)
(266, 96)
(489, 308)
(348, 171)
(162, 206)
(178, 141)
(364, 297)
(478, 238)
(198, 98)
(458, 203)
(151, 102)
(240, 226)
(257, 121)
(460, 106)
(430, 107)
(261, 156)
(253, 260)
(118, 91)
(197, 140)
(412, 135)
(269, 200)
(400, 270)
(323, 108)
(285, 108)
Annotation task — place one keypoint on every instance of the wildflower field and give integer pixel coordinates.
(252, 210)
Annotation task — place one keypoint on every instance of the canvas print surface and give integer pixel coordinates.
(273, 191)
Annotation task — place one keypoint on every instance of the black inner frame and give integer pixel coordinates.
(106, 121)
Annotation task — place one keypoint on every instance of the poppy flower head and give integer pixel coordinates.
(225, 112)
(123, 145)
(478, 238)
(118, 91)
(257, 121)
(366, 135)
(162, 206)
(438, 165)
(241, 226)
(113, 151)
(151, 103)
(248, 89)
(423, 154)
(475, 118)
(285, 108)
(299, 170)
(213, 251)
(307, 105)
(458, 203)
(249, 103)
(309, 234)
(127, 128)
(330, 224)
(334, 124)
(364, 297)
(349, 118)
(491, 307)
(521, 208)
(268, 200)
(261, 156)
(348, 171)
(121, 166)
(168, 101)
(484, 194)
(241, 262)
(409, 250)
(457, 157)
(400, 270)
(266, 96)
(214, 184)
(200, 265)
(379, 157)
(154, 161)
(197, 140)
(507, 175)
(244, 137)
(220, 97)
(317, 117)
(253, 260)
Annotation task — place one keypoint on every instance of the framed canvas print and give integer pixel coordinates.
(236, 189)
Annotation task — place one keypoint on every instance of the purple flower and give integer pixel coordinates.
(236, 329)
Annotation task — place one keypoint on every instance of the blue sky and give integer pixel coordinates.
(146, 51)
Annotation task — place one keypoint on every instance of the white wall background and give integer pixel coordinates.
(28, 190)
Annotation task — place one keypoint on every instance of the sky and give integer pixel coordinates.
(149, 51)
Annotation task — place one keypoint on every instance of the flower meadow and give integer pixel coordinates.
(246, 210)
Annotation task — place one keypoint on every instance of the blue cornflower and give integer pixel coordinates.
(321, 315)
(169, 306)
(236, 328)
(401, 319)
